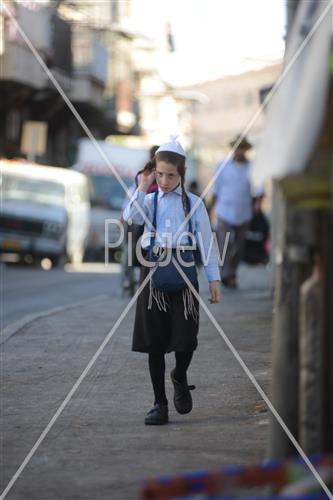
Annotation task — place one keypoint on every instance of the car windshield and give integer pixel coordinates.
(108, 192)
(15, 187)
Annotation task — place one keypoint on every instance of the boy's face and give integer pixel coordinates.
(167, 176)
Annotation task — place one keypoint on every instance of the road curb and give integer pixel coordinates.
(15, 327)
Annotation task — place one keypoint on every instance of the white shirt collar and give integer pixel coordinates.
(178, 190)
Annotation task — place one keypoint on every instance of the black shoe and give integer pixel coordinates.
(182, 398)
(158, 415)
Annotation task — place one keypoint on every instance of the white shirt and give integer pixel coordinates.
(170, 217)
(233, 191)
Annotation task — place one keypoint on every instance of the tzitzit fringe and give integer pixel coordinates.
(161, 299)
(159, 296)
(189, 305)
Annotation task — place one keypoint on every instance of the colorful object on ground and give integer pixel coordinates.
(286, 480)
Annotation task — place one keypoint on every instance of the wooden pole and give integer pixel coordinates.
(294, 241)
(311, 354)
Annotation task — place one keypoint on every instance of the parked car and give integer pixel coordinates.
(107, 195)
(45, 212)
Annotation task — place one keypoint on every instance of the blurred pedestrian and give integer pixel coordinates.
(129, 258)
(256, 249)
(193, 187)
(232, 200)
(167, 311)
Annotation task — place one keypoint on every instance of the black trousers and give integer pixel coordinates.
(157, 372)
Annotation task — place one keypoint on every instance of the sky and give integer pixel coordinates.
(214, 38)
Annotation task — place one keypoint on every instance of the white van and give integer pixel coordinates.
(45, 212)
(107, 195)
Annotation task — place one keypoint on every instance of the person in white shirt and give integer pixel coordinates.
(168, 320)
(232, 199)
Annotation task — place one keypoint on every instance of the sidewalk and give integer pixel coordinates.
(99, 448)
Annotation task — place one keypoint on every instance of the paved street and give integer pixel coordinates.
(99, 448)
(29, 290)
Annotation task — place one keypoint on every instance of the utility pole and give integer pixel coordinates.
(295, 238)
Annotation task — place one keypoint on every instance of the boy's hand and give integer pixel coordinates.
(215, 292)
(146, 179)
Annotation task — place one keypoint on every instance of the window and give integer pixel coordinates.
(40, 191)
(108, 192)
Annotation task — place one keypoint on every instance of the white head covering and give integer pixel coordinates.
(172, 146)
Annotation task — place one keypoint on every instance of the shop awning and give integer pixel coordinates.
(297, 110)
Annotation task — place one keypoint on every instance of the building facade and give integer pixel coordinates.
(35, 36)
(227, 106)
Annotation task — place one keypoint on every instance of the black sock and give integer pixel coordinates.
(157, 375)
(183, 360)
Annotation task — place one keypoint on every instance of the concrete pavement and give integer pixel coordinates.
(99, 448)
